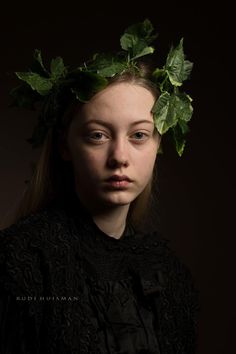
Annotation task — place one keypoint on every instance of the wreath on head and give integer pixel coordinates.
(54, 88)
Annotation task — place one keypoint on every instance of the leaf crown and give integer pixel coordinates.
(54, 88)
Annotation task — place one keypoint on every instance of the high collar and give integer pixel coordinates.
(76, 209)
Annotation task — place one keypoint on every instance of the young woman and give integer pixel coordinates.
(80, 273)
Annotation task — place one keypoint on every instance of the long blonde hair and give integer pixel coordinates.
(53, 176)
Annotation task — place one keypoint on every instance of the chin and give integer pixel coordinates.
(117, 198)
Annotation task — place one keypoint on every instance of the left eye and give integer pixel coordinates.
(140, 135)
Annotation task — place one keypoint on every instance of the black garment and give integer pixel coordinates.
(68, 288)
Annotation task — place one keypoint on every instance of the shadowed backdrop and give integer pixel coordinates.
(195, 191)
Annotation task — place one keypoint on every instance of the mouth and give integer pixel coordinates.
(118, 182)
(119, 178)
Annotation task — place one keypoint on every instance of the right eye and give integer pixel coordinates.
(96, 136)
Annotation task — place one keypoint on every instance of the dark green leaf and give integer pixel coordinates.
(179, 139)
(37, 65)
(58, 68)
(136, 39)
(183, 107)
(170, 109)
(87, 84)
(176, 67)
(38, 83)
(145, 51)
(187, 69)
(141, 30)
(106, 65)
(158, 74)
(164, 113)
(110, 71)
(183, 126)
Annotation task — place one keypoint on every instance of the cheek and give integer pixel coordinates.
(145, 163)
(86, 163)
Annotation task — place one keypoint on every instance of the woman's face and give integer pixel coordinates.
(113, 134)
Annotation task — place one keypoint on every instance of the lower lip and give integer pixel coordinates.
(118, 184)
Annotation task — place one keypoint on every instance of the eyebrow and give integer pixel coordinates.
(107, 124)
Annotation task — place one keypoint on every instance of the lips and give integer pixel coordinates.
(119, 178)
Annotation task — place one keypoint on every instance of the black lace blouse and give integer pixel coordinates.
(68, 288)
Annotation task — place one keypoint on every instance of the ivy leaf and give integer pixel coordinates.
(170, 109)
(164, 112)
(183, 107)
(111, 70)
(145, 51)
(136, 39)
(106, 65)
(38, 83)
(158, 74)
(176, 67)
(87, 84)
(58, 68)
(37, 65)
(179, 139)
(187, 69)
(183, 126)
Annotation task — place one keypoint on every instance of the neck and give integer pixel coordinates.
(110, 219)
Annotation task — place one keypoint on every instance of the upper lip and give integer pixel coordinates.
(119, 178)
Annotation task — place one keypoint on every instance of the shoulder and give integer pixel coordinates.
(30, 226)
(168, 280)
(24, 247)
(162, 268)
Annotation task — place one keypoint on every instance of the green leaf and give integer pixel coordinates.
(160, 78)
(183, 106)
(87, 84)
(136, 39)
(111, 70)
(158, 74)
(38, 83)
(38, 58)
(141, 30)
(145, 51)
(128, 41)
(37, 65)
(106, 65)
(170, 109)
(183, 126)
(179, 139)
(58, 68)
(187, 69)
(176, 67)
(164, 113)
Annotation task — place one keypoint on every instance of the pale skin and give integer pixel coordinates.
(112, 134)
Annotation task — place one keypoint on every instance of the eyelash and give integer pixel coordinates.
(90, 136)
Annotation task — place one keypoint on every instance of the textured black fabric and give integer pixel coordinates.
(68, 288)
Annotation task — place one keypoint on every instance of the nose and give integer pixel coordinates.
(118, 154)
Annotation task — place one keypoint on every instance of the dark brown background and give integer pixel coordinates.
(196, 191)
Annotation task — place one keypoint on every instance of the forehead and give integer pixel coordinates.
(120, 101)
(124, 93)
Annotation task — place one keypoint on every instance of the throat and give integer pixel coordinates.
(112, 223)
